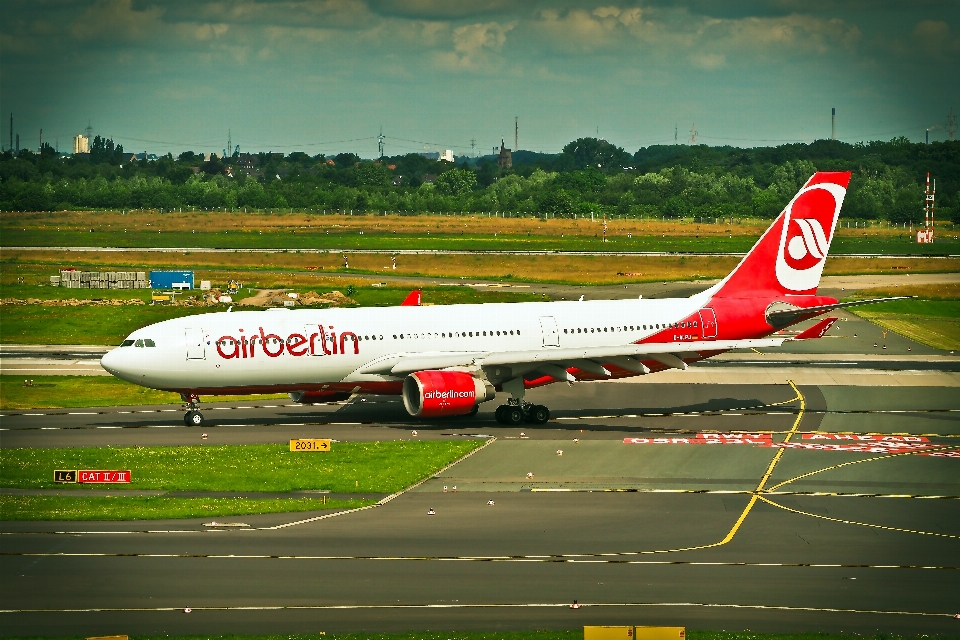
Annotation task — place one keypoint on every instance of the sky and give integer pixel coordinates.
(326, 76)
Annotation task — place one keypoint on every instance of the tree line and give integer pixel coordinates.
(590, 176)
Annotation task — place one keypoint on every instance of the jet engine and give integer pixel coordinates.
(434, 394)
(309, 397)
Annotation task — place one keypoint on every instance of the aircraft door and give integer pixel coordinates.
(196, 349)
(548, 328)
(708, 323)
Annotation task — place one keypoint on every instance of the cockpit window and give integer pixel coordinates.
(126, 343)
(138, 343)
(147, 342)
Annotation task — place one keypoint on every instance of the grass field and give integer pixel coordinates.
(691, 634)
(108, 325)
(469, 233)
(71, 392)
(350, 467)
(293, 269)
(155, 508)
(935, 323)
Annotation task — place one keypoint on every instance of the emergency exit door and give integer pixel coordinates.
(708, 323)
(196, 348)
(548, 328)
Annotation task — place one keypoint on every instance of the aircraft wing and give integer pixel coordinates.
(554, 361)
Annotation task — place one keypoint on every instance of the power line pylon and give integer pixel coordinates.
(380, 143)
(951, 123)
(473, 145)
(693, 134)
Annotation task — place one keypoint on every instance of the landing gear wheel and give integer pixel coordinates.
(499, 414)
(193, 419)
(512, 416)
(538, 414)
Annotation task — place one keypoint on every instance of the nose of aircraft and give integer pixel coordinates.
(111, 361)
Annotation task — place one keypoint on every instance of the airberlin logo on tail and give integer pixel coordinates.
(808, 226)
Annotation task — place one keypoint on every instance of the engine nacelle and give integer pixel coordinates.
(309, 397)
(433, 394)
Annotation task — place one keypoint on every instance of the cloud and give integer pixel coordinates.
(115, 20)
(441, 9)
(475, 46)
(934, 38)
(708, 61)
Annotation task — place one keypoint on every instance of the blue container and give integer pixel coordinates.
(171, 279)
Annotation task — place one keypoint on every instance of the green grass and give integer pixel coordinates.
(935, 323)
(155, 508)
(70, 392)
(372, 239)
(692, 634)
(351, 467)
(36, 324)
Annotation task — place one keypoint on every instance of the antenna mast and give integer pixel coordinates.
(833, 123)
(516, 133)
(380, 142)
(925, 235)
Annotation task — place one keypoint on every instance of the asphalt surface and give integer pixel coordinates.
(642, 533)
(721, 536)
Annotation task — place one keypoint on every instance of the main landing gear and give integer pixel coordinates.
(516, 414)
(193, 417)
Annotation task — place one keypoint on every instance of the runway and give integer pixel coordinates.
(713, 537)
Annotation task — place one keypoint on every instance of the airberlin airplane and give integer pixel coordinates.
(446, 360)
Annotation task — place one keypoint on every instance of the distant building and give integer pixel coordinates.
(247, 161)
(81, 144)
(447, 155)
(505, 159)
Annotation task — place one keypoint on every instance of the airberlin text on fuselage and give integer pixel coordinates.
(296, 344)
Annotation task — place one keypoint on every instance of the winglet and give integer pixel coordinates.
(816, 331)
(412, 300)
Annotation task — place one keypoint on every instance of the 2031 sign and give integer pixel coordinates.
(310, 445)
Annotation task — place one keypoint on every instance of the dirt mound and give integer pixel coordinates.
(282, 298)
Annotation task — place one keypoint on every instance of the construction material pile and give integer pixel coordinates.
(70, 302)
(101, 280)
(280, 298)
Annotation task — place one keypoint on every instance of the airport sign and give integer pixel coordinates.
(302, 444)
(64, 476)
(90, 476)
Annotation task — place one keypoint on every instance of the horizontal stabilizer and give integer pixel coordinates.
(789, 315)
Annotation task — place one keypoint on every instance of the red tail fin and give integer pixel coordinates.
(789, 257)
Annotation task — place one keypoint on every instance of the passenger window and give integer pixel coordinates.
(149, 343)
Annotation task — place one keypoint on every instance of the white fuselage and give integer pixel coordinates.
(283, 349)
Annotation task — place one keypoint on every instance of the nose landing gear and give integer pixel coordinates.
(193, 417)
